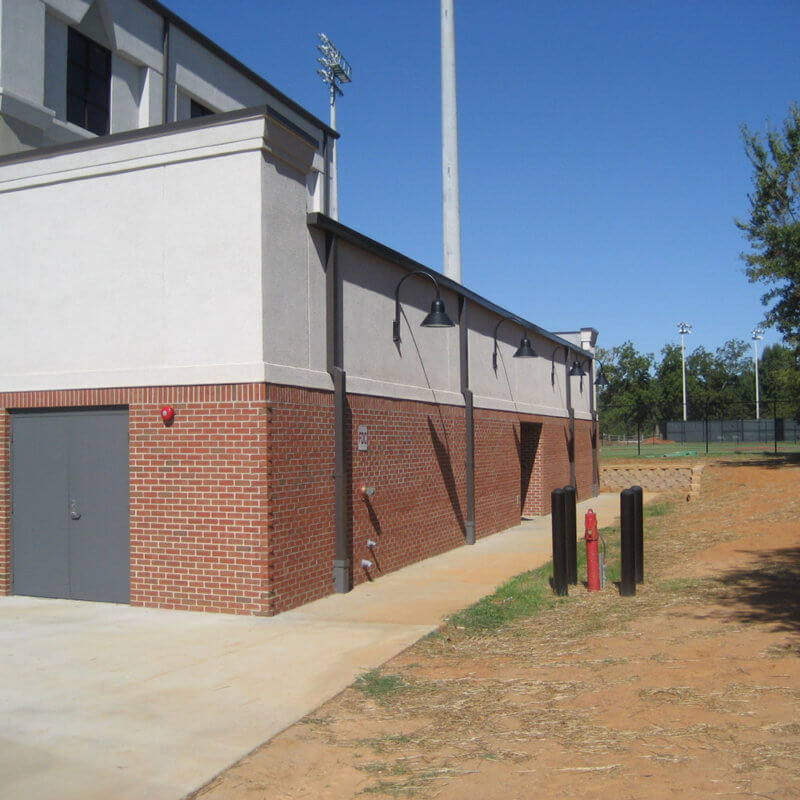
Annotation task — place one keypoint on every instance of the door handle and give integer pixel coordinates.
(73, 510)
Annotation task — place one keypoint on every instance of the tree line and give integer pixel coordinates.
(645, 391)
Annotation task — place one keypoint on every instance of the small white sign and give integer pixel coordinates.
(362, 437)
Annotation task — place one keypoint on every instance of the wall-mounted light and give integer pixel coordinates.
(525, 349)
(436, 318)
(576, 370)
(601, 382)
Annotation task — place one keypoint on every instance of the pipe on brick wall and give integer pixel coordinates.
(469, 419)
(335, 362)
(593, 413)
(571, 412)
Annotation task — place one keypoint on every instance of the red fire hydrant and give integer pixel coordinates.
(592, 555)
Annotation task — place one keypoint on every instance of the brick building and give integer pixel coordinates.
(192, 267)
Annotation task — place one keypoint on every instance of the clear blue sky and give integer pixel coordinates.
(600, 154)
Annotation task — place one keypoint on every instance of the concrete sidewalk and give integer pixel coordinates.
(101, 700)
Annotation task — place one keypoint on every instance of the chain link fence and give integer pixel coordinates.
(710, 435)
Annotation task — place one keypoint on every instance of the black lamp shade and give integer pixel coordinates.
(525, 349)
(601, 382)
(438, 316)
(576, 370)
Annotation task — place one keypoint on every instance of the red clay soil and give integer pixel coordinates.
(691, 689)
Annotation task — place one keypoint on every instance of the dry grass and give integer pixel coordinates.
(587, 681)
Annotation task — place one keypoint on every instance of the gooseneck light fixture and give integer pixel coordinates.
(525, 349)
(436, 318)
(601, 382)
(576, 370)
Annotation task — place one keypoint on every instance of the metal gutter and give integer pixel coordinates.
(165, 53)
(334, 336)
(571, 412)
(469, 418)
(155, 131)
(342, 232)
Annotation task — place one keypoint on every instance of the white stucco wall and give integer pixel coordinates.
(33, 58)
(135, 264)
(187, 258)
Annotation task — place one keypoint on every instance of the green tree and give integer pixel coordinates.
(773, 229)
(628, 401)
(668, 387)
(779, 376)
(720, 384)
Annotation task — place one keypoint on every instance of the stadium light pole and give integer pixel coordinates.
(758, 334)
(684, 328)
(335, 70)
(451, 203)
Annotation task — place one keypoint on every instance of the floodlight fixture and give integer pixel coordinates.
(335, 67)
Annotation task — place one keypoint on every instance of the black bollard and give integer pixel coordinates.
(558, 501)
(627, 513)
(638, 494)
(571, 527)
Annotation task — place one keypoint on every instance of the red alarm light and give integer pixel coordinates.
(167, 413)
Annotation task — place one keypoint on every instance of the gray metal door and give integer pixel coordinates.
(69, 498)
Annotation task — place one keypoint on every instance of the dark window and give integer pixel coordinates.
(88, 83)
(199, 110)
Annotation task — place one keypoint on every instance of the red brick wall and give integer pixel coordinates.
(301, 495)
(197, 492)
(232, 506)
(415, 461)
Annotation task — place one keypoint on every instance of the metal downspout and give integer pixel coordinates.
(326, 189)
(469, 420)
(165, 50)
(334, 359)
(571, 411)
(593, 412)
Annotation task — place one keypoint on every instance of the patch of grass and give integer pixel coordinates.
(683, 585)
(378, 686)
(658, 509)
(380, 744)
(397, 768)
(525, 595)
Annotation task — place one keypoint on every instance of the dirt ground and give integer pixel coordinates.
(691, 689)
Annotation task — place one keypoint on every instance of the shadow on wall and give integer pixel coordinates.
(527, 442)
(446, 468)
(570, 445)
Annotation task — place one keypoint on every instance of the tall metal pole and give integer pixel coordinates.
(684, 328)
(334, 71)
(451, 203)
(334, 165)
(757, 335)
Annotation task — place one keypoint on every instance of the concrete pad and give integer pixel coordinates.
(100, 700)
